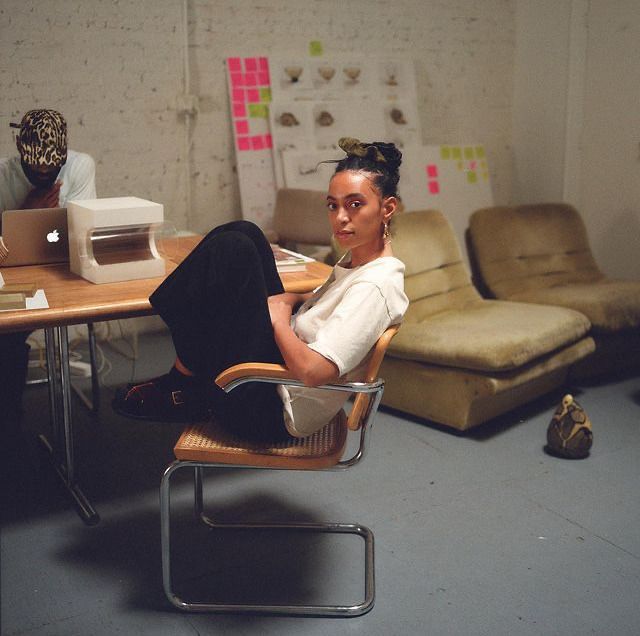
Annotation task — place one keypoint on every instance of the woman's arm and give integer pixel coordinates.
(304, 363)
(291, 298)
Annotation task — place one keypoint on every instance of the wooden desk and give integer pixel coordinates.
(73, 300)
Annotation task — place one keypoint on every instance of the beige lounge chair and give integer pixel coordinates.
(540, 254)
(459, 359)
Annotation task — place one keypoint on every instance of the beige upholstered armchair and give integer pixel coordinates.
(458, 359)
(540, 254)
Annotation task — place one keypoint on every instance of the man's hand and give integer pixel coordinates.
(39, 198)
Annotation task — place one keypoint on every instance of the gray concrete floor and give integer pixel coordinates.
(476, 534)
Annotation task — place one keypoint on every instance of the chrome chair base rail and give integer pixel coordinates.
(236, 608)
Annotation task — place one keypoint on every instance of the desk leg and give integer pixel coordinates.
(61, 451)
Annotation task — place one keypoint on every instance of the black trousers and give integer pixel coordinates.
(14, 355)
(215, 305)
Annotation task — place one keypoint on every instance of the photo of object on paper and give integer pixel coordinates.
(401, 123)
(292, 129)
(396, 80)
(290, 77)
(305, 170)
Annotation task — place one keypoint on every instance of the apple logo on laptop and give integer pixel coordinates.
(53, 237)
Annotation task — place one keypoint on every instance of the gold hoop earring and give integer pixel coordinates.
(386, 235)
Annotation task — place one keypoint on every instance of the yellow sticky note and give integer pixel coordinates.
(480, 152)
(445, 152)
(456, 152)
(468, 152)
(265, 94)
(460, 165)
(258, 110)
(472, 177)
(315, 48)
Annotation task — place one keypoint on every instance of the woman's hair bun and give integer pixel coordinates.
(376, 151)
(380, 158)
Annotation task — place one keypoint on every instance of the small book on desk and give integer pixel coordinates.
(288, 261)
(28, 289)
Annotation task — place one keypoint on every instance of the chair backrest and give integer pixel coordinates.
(361, 401)
(300, 216)
(436, 278)
(525, 247)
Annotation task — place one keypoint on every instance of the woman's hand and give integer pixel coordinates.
(280, 309)
(304, 363)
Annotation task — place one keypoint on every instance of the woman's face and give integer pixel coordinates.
(357, 211)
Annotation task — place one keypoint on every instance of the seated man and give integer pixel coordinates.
(44, 175)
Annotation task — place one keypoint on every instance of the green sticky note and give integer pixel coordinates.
(480, 152)
(258, 110)
(315, 48)
(445, 152)
(472, 177)
(468, 152)
(456, 153)
(265, 94)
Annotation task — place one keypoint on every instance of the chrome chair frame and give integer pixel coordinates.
(375, 388)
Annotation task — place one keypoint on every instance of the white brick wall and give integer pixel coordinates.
(116, 69)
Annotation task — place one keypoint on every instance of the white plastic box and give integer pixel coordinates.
(114, 239)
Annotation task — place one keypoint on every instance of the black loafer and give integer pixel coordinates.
(169, 398)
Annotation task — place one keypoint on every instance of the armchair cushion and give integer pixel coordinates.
(489, 335)
(612, 305)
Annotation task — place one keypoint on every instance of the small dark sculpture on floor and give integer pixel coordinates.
(569, 434)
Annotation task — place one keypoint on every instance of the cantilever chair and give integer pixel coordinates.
(207, 445)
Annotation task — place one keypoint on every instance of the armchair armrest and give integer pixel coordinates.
(251, 369)
(271, 373)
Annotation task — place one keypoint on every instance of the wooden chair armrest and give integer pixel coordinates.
(262, 369)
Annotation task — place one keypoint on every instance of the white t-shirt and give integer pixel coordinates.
(78, 176)
(342, 321)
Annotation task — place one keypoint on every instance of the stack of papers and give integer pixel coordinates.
(288, 261)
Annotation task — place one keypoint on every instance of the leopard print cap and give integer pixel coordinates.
(42, 140)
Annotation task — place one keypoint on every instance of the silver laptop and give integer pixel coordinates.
(35, 237)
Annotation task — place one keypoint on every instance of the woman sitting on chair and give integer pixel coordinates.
(225, 304)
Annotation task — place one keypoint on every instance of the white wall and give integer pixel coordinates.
(576, 118)
(540, 99)
(610, 158)
(116, 69)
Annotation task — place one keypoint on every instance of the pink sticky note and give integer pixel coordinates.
(473, 165)
(250, 79)
(257, 142)
(268, 141)
(253, 95)
(244, 143)
(242, 127)
(238, 95)
(263, 78)
(432, 170)
(237, 79)
(234, 64)
(250, 64)
(433, 187)
(263, 63)
(239, 110)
